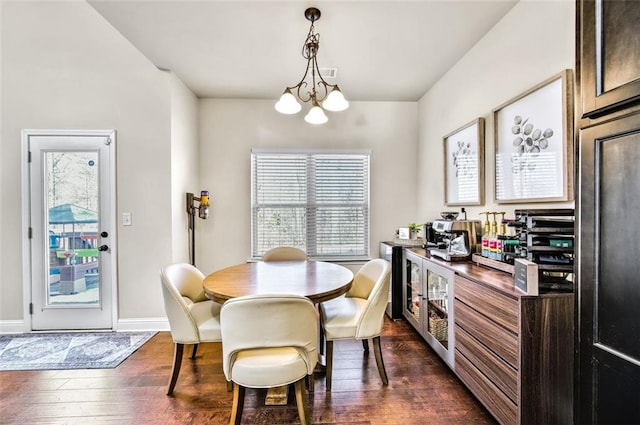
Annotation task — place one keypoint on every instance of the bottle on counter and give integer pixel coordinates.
(493, 237)
(503, 223)
(500, 237)
(485, 235)
(485, 246)
(499, 247)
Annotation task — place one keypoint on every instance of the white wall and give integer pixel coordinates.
(230, 128)
(533, 42)
(184, 163)
(64, 67)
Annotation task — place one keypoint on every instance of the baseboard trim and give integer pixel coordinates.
(11, 326)
(143, 324)
(139, 324)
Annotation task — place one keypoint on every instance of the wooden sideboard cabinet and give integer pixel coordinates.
(515, 352)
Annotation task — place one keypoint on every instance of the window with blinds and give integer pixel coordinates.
(314, 200)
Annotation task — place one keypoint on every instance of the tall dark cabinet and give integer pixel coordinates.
(608, 211)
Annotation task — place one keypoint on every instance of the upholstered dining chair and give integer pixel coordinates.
(359, 314)
(193, 318)
(269, 341)
(284, 253)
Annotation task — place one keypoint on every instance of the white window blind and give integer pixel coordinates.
(314, 200)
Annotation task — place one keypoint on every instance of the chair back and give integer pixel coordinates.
(269, 321)
(371, 283)
(181, 288)
(285, 253)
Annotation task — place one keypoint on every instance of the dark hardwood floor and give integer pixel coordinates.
(421, 390)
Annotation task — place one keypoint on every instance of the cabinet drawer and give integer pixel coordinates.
(491, 335)
(493, 304)
(496, 402)
(493, 367)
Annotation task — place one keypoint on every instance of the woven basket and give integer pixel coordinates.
(438, 328)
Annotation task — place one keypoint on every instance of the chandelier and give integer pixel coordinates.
(318, 91)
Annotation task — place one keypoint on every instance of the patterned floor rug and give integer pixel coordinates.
(83, 350)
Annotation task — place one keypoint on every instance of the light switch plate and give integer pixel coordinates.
(126, 219)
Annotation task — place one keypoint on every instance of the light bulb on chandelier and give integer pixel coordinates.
(316, 115)
(335, 102)
(288, 103)
(320, 92)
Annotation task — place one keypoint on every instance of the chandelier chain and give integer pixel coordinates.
(311, 44)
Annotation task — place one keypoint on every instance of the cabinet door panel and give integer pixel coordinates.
(616, 386)
(413, 290)
(610, 55)
(615, 201)
(608, 271)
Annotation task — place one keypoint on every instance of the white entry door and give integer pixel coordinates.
(70, 183)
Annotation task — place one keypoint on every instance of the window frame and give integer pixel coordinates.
(366, 157)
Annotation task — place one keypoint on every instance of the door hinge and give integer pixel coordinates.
(29, 156)
(30, 308)
(30, 233)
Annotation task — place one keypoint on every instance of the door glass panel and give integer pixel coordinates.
(437, 290)
(71, 227)
(414, 290)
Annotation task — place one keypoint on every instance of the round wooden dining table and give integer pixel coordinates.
(317, 280)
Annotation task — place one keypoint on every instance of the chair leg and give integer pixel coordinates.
(238, 404)
(365, 345)
(177, 362)
(329, 360)
(193, 353)
(310, 382)
(379, 362)
(229, 386)
(302, 402)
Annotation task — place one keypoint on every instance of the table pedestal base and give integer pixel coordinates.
(277, 396)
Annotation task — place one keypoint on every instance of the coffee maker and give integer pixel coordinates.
(432, 239)
(460, 237)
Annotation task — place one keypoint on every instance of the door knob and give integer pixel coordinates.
(103, 248)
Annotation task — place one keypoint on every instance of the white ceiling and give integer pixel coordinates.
(384, 50)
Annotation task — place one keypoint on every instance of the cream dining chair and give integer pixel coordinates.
(193, 318)
(284, 253)
(359, 314)
(269, 341)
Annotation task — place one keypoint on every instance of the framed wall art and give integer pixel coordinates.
(464, 165)
(533, 136)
